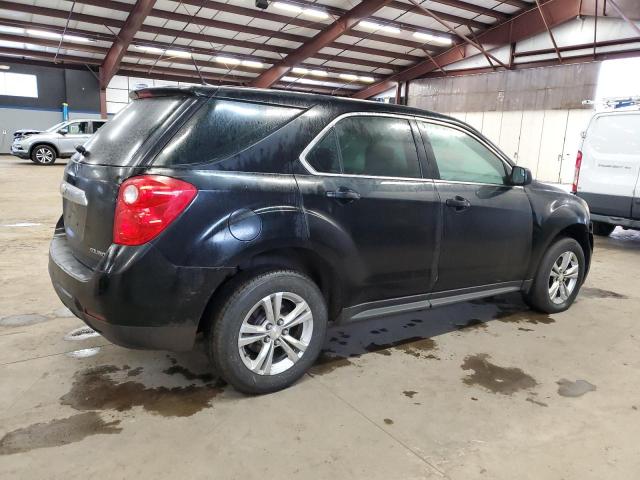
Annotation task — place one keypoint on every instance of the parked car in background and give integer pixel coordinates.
(59, 141)
(608, 169)
(258, 216)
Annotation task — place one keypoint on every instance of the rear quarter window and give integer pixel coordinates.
(223, 128)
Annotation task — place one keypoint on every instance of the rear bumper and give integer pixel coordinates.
(135, 298)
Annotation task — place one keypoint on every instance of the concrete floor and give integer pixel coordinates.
(479, 390)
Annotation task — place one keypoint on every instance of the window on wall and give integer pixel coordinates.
(18, 85)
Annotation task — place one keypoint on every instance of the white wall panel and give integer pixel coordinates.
(491, 123)
(475, 119)
(552, 145)
(577, 122)
(509, 141)
(531, 133)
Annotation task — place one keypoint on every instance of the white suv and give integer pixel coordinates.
(58, 141)
(607, 170)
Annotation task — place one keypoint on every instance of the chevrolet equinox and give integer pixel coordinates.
(257, 216)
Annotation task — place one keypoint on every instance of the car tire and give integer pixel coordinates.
(603, 229)
(43, 155)
(242, 329)
(542, 295)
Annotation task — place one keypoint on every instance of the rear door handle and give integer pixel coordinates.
(458, 203)
(343, 194)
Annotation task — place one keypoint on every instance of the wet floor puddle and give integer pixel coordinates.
(96, 389)
(592, 292)
(497, 379)
(110, 388)
(57, 433)
(567, 388)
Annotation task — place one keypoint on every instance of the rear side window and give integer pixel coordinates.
(375, 146)
(118, 141)
(462, 158)
(223, 128)
(325, 156)
(97, 126)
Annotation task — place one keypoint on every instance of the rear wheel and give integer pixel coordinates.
(268, 332)
(559, 277)
(602, 229)
(43, 155)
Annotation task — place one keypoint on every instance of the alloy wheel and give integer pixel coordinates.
(275, 333)
(44, 155)
(563, 277)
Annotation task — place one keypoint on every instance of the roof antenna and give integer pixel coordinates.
(198, 70)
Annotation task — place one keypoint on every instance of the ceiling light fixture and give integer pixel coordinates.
(5, 67)
(367, 79)
(43, 33)
(8, 29)
(377, 26)
(288, 7)
(319, 73)
(252, 64)
(348, 76)
(149, 49)
(228, 60)
(312, 12)
(427, 37)
(178, 53)
(300, 70)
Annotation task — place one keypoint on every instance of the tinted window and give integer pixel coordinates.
(97, 125)
(377, 146)
(461, 157)
(223, 128)
(78, 128)
(118, 141)
(325, 156)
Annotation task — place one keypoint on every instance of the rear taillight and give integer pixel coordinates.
(146, 205)
(576, 175)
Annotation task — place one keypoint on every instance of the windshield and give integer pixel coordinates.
(56, 127)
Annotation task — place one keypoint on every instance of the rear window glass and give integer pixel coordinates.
(117, 142)
(223, 128)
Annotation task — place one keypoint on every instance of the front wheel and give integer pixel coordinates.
(43, 155)
(559, 277)
(268, 332)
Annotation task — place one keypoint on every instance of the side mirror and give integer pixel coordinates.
(63, 131)
(520, 176)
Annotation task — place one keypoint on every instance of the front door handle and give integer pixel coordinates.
(458, 203)
(343, 194)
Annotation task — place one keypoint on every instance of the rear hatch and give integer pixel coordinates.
(119, 150)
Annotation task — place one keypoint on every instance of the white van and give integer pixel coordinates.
(607, 168)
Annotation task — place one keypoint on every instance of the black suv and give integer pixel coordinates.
(256, 216)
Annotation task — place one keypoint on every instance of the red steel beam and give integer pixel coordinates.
(264, 32)
(111, 62)
(522, 26)
(321, 40)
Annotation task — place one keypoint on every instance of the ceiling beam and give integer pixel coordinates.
(111, 62)
(114, 23)
(405, 7)
(269, 33)
(522, 26)
(321, 40)
(265, 15)
(108, 37)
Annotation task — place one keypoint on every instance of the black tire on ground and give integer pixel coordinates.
(538, 296)
(602, 229)
(43, 155)
(227, 318)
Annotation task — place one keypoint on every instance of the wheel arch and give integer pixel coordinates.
(300, 259)
(578, 231)
(43, 142)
